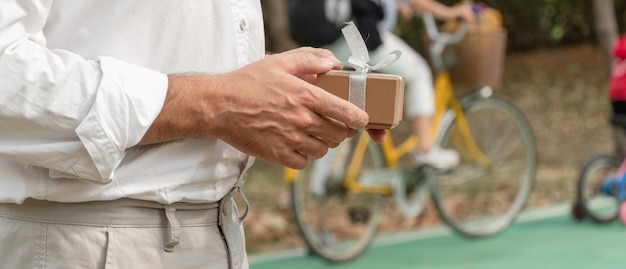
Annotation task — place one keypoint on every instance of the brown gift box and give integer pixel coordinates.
(384, 96)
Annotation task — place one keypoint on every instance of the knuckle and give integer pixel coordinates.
(292, 139)
(348, 113)
(309, 59)
(306, 97)
(283, 156)
(304, 122)
(283, 61)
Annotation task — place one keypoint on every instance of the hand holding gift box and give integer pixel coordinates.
(380, 95)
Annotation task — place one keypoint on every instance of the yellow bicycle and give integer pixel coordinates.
(338, 200)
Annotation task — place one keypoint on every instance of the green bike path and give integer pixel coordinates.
(544, 238)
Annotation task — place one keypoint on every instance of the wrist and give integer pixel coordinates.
(184, 112)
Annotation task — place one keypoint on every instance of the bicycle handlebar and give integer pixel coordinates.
(438, 37)
(439, 40)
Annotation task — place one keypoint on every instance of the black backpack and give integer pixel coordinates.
(310, 26)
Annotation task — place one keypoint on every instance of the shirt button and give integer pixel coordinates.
(242, 25)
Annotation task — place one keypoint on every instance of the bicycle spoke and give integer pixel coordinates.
(477, 200)
(594, 202)
(340, 224)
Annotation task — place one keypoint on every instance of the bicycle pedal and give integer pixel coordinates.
(359, 214)
(409, 192)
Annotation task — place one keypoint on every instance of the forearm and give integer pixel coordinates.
(183, 113)
(437, 9)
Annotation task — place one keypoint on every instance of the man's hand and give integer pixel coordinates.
(270, 109)
(465, 12)
(377, 135)
(405, 10)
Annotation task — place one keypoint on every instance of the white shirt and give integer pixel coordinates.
(81, 82)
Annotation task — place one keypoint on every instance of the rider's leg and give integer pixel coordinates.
(421, 128)
(419, 96)
(419, 100)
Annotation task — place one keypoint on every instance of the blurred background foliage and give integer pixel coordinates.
(554, 72)
(534, 23)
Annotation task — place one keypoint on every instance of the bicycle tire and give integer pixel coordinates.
(593, 202)
(477, 201)
(339, 224)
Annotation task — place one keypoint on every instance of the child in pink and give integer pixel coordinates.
(617, 96)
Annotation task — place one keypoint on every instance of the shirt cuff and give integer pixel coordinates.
(128, 100)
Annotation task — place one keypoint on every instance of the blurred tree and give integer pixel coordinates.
(537, 23)
(530, 23)
(606, 25)
(276, 26)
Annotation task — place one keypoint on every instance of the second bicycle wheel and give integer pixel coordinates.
(486, 192)
(589, 191)
(337, 224)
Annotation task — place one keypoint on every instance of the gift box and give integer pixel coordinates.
(384, 95)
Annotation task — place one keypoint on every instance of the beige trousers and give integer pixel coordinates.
(121, 234)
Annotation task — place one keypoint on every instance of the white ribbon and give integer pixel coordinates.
(359, 61)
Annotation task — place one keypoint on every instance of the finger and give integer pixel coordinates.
(322, 102)
(294, 160)
(319, 52)
(329, 105)
(352, 132)
(310, 78)
(299, 64)
(328, 130)
(378, 135)
(328, 143)
(312, 147)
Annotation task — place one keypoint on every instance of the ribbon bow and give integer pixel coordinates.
(359, 61)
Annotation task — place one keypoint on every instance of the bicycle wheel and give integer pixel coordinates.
(336, 223)
(477, 199)
(591, 198)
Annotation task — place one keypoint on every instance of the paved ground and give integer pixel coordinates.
(545, 238)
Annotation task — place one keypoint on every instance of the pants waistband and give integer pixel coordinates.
(135, 213)
(117, 213)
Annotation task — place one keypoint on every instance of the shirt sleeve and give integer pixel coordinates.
(60, 111)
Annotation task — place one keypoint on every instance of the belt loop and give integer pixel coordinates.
(174, 227)
(246, 203)
(239, 189)
(223, 211)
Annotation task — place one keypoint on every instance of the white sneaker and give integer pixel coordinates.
(442, 159)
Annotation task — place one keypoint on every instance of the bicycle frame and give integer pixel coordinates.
(444, 101)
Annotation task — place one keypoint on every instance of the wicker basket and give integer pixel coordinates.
(479, 59)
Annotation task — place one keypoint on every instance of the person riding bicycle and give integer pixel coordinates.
(419, 101)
